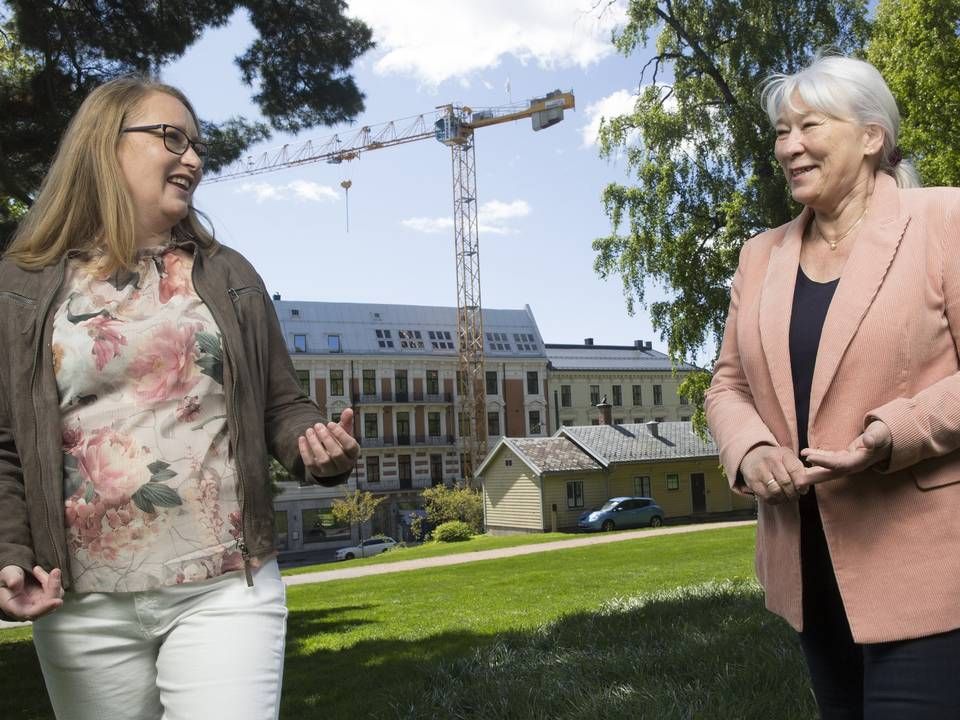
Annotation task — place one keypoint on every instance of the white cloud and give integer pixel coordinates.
(619, 103)
(490, 217)
(298, 189)
(435, 40)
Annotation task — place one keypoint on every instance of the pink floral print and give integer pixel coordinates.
(112, 462)
(166, 367)
(107, 339)
(176, 279)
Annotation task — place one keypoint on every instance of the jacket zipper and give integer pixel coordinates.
(41, 323)
(232, 405)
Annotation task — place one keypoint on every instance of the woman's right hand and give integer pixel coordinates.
(28, 596)
(773, 474)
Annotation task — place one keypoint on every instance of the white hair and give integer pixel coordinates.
(849, 89)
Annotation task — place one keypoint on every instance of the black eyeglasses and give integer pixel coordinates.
(174, 139)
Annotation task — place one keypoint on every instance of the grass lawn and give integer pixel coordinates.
(660, 628)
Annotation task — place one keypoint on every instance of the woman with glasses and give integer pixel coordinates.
(144, 384)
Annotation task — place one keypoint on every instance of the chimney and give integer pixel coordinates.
(638, 344)
(654, 427)
(606, 411)
(588, 341)
(649, 345)
(276, 296)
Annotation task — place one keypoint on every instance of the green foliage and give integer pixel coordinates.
(916, 45)
(452, 531)
(701, 150)
(444, 504)
(355, 508)
(53, 53)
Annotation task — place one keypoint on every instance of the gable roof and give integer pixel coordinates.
(609, 357)
(544, 455)
(633, 442)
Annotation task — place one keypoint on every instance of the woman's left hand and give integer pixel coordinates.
(330, 449)
(874, 445)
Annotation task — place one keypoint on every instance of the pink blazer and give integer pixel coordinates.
(889, 350)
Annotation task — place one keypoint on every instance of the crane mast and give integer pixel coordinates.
(454, 125)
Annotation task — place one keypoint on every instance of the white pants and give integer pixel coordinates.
(209, 650)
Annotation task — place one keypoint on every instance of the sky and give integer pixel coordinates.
(538, 193)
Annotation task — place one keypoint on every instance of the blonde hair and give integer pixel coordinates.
(850, 89)
(83, 202)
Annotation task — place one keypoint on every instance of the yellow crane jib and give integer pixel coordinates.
(457, 123)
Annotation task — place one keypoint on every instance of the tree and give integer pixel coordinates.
(355, 508)
(447, 504)
(701, 149)
(916, 45)
(53, 52)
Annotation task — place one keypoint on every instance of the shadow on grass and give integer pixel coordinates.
(23, 696)
(703, 652)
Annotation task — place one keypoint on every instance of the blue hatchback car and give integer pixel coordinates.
(623, 512)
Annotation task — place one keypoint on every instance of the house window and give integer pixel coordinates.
(567, 423)
(400, 385)
(534, 417)
(491, 382)
(373, 468)
(336, 382)
(617, 395)
(673, 481)
(641, 486)
(508, 463)
(594, 421)
(660, 418)
(684, 418)
(300, 343)
(683, 399)
(433, 424)
(403, 428)
(639, 420)
(493, 423)
(565, 400)
(433, 382)
(637, 395)
(371, 427)
(594, 395)
(575, 494)
(319, 526)
(618, 421)
(336, 417)
(303, 376)
(658, 395)
(333, 343)
(533, 382)
(369, 382)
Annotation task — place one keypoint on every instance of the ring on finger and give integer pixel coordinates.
(771, 482)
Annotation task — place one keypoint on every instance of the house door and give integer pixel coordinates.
(436, 469)
(699, 492)
(406, 476)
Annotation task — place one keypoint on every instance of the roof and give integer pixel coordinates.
(544, 455)
(369, 328)
(634, 442)
(609, 357)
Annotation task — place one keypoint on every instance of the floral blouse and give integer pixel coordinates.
(149, 485)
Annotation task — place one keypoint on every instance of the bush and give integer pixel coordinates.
(444, 504)
(453, 531)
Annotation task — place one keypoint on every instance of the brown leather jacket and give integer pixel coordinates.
(266, 408)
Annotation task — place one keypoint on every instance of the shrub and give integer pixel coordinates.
(444, 504)
(452, 531)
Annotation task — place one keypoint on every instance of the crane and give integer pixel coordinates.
(453, 125)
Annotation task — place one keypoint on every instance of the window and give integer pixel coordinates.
(659, 418)
(336, 382)
(658, 395)
(373, 469)
(617, 395)
(304, 377)
(673, 481)
(493, 423)
(410, 339)
(641, 486)
(575, 494)
(333, 343)
(383, 337)
(594, 421)
(534, 417)
(683, 398)
(567, 423)
(618, 421)
(465, 424)
(319, 526)
(369, 382)
(594, 395)
(433, 424)
(684, 418)
(280, 529)
(371, 427)
(400, 385)
(433, 382)
(533, 382)
(508, 462)
(637, 395)
(336, 417)
(565, 400)
(491, 383)
(639, 420)
(403, 428)
(299, 343)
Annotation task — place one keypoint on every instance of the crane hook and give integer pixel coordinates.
(345, 184)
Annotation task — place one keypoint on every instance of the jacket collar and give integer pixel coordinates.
(860, 280)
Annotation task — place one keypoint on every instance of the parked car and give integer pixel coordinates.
(368, 548)
(623, 512)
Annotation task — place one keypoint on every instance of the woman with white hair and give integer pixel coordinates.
(836, 401)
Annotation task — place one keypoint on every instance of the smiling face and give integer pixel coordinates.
(823, 157)
(160, 182)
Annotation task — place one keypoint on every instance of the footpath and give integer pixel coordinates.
(480, 555)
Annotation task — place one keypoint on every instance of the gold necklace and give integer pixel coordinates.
(833, 243)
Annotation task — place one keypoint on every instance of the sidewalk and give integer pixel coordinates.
(468, 557)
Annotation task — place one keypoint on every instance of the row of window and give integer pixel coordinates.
(641, 487)
(413, 340)
(371, 424)
(566, 399)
